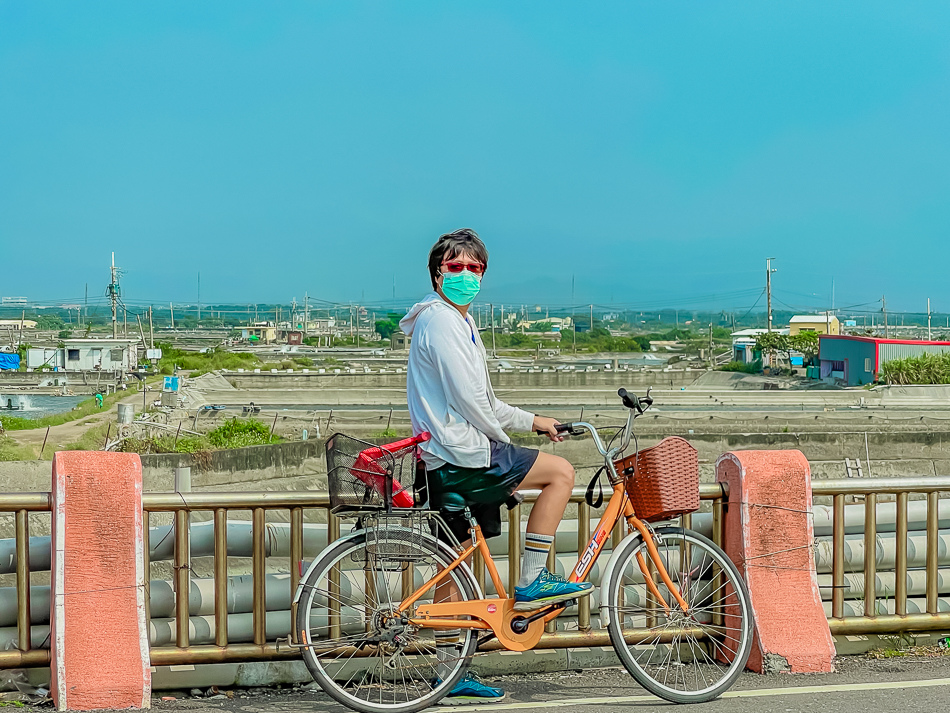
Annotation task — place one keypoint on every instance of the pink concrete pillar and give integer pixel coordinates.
(769, 534)
(99, 636)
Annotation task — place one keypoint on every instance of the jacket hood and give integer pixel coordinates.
(431, 301)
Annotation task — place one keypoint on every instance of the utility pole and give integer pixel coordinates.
(711, 363)
(85, 307)
(887, 334)
(171, 308)
(929, 338)
(503, 319)
(114, 299)
(151, 331)
(492, 330)
(306, 313)
(125, 322)
(199, 299)
(768, 290)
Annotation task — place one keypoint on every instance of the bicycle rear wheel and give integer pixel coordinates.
(360, 651)
(683, 657)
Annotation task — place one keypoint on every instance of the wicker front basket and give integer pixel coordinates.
(662, 481)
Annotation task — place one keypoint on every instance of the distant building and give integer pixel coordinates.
(819, 324)
(743, 343)
(558, 324)
(321, 326)
(263, 332)
(14, 324)
(858, 360)
(13, 300)
(399, 341)
(111, 355)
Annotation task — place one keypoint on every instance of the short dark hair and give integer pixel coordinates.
(463, 240)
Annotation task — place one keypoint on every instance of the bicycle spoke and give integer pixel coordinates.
(685, 658)
(399, 670)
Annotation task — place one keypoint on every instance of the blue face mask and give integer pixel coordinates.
(460, 288)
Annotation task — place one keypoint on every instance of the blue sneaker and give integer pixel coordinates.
(469, 691)
(549, 589)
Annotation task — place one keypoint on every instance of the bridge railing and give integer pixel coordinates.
(885, 564)
(305, 517)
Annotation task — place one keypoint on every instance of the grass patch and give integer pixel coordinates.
(386, 433)
(234, 433)
(203, 362)
(754, 367)
(901, 652)
(11, 450)
(92, 440)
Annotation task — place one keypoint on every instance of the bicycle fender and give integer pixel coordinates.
(442, 547)
(608, 575)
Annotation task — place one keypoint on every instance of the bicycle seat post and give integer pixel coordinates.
(471, 522)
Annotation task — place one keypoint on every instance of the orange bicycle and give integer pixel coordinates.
(366, 610)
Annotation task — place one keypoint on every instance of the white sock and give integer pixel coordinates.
(536, 548)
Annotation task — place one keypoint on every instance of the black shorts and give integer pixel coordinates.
(452, 488)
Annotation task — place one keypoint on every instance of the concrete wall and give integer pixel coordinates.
(554, 379)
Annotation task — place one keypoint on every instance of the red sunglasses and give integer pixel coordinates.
(455, 267)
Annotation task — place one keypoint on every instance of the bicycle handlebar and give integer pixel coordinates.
(637, 406)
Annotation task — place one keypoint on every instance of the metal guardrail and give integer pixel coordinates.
(21, 505)
(872, 622)
(219, 504)
(182, 504)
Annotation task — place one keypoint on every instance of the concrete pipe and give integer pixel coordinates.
(886, 554)
(854, 583)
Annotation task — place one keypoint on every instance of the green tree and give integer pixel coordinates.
(385, 328)
(50, 322)
(806, 343)
(772, 342)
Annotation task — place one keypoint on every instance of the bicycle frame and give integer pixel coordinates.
(497, 614)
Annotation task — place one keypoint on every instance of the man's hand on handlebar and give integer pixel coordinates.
(548, 427)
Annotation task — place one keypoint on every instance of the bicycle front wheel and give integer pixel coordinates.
(359, 647)
(682, 656)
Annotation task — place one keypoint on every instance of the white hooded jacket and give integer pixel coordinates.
(448, 389)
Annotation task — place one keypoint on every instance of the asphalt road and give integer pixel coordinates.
(906, 684)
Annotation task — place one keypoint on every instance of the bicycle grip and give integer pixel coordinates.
(630, 400)
(560, 428)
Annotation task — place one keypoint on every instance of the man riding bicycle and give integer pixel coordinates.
(470, 460)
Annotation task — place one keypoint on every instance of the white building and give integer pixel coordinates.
(112, 355)
(743, 343)
(15, 324)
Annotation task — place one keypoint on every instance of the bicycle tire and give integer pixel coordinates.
(643, 651)
(323, 667)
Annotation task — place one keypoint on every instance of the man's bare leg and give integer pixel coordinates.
(554, 477)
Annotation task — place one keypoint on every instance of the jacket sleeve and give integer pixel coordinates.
(513, 418)
(457, 375)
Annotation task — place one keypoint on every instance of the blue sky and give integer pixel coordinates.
(656, 153)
